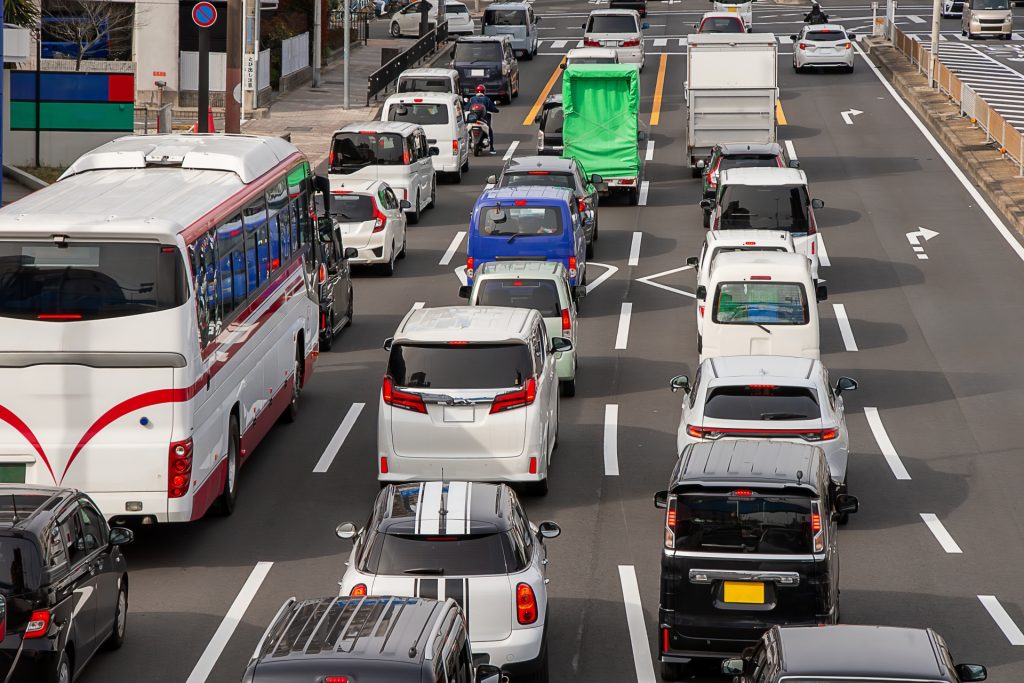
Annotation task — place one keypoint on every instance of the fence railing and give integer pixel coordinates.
(388, 73)
(972, 105)
(263, 70)
(294, 54)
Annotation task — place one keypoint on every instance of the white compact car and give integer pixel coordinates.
(371, 220)
(470, 392)
(442, 119)
(406, 22)
(744, 8)
(469, 542)
(767, 397)
(618, 29)
(823, 45)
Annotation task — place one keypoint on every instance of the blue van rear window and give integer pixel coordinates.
(521, 221)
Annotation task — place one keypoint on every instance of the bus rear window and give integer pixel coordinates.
(353, 151)
(88, 280)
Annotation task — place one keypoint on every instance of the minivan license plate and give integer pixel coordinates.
(744, 592)
(478, 72)
(458, 413)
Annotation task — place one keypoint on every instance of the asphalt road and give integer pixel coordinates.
(937, 360)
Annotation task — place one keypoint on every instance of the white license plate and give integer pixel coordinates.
(459, 413)
(478, 72)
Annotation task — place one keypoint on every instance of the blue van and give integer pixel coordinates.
(528, 223)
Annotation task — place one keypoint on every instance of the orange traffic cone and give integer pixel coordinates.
(209, 122)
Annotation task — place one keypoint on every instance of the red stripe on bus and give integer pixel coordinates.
(10, 418)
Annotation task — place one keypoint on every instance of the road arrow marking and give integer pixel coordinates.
(849, 114)
(609, 271)
(647, 281)
(919, 234)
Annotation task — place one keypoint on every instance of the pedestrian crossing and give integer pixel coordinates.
(956, 36)
(999, 85)
(549, 44)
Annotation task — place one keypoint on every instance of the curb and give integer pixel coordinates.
(24, 178)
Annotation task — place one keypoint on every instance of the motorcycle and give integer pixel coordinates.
(479, 131)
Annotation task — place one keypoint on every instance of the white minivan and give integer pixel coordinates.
(396, 153)
(618, 29)
(761, 304)
(442, 119)
(470, 393)
(429, 79)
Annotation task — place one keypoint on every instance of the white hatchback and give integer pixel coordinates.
(371, 220)
(470, 392)
(618, 29)
(406, 22)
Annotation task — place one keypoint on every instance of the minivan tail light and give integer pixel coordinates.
(330, 158)
(526, 604)
(179, 468)
(820, 434)
(38, 624)
(380, 221)
(590, 42)
(819, 533)
(515, 399)
(469, 266)
(406, 157)
(455, 146)
(635, 42)
(670, 524)
(581, 205)
(566, 321)
(402, 399)
(703, 432)
(572, 266)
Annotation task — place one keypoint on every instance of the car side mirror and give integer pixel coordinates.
(851, 34)
(680, 382)
(405, 204)
(492, 179)
(971, 672)
(817, 204)
(847, 504)
(351, 252)
(645, 26)
(488, 673)
(549, 530)
(596, 179)
(661, 499)
(692, 261)
(821, 292)
(346, 530)
(322, 185)
(560, 344)
(794, 163)
(793, 38)
(121, 536)
(707, 204)
(583, 26)
(846, 384)
(579, 292)
(701, 293)
(388, 342)
(732, 667)
(433, 151)
(465, 291)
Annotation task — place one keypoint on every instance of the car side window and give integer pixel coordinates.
(694, 388)
(523, 528)
(465, 671)
(829, 391)
(392, 199)
(71, 532)
(94, 529)
(537, 345)
(55, 553)
(760, 662)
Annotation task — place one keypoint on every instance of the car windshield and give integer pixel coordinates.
(456, 9)
(353, 151)
(425, 85)
(721, 25)
(88, 280)
(768, 207)
(552, 121)
(521, 293)
(19, 564)
(824, 36)
(744, 521)
(762, 402)
(748, 161)
(612, 23)
(505, 17)
(351, 208)
(422, 114)
(761, 303)
(474, 52)
(521, 221)
(990, 4)
(537, 179)
(441, 555)
(459, 365)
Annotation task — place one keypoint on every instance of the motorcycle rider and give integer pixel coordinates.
(487, 103)
(816, 15)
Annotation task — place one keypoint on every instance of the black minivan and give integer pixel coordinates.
(751, 540)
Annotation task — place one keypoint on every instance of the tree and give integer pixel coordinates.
(23, 13)
(90, 26)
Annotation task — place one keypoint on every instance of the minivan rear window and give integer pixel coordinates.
(748, 161)
(459, 365)
(612, 23)
(538, 178)
(746, 523)
(541, 295)
(425, 85)
(761, 303)
(19, 565)
(477, 52)
(505, 17)
(764, 402)
(351, 208)
(521, 221)
(353, 151)
(771, 207)
(422, 114)
(441, 555)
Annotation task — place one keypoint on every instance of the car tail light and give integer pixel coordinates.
(713, 176)
(814, 246)
(38, 624)
(380, 221)
(760, 277)
(402, 399)
(701, 309)
(819, 534)
(515, 399)
(406, 157)
(358, 590)
(819, 434)
(572, 266)
(330, 158)
(803, 46)
(742, 493)
(533, 465)
(847, 46)
(538, 173)
(336, 679)
(455, 146)
(670, 524)
(566, 321)
(526, 604)
(179, 468)
(703, 432)
(635, 42)
(469, 266)
(590, 42)
(626, 181)
(520, 202)
(664, 640)
(383, 464)
(581, 205)
(322, 274)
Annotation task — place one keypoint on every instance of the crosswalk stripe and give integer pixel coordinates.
(660, 42)
(559, 44)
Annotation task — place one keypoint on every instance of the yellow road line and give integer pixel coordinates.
(780, 116)
(528, 121)
(658, 90)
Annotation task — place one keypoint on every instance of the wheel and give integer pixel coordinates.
(1008, 36)
(117, 633)
(433, 195)
(349, 310)
(414, 217)
(396, 30)
(796, 69)
(457, 176)
(527, 55)
(327, 335)
(64, 669)
(707, 220)
(229, 496)
(465, 165)
(292, 412)
(476, 150)
(963, 33)
(590, 249)
(388, 269)
(849, 69)
(405, 246)
(515, 93)
(568, 388)
(540, 672)
(634, 196)
(508, 92)
(670, 671)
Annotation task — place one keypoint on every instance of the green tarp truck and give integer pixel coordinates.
(601, 130)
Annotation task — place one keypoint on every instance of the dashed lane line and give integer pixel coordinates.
(634, 249)
(1002, 619)
(331, 452)
(622, 334)
(790, 150)
(885, 444)
(511, 150)
(611, 440)
(823, 259)
(650, 151)
(939, 532)
(642, 660)
(645, 186)
(452, 248)
(844, 327)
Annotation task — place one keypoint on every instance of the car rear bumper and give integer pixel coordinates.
(514, 469)
(446, 163)
(495, 85)
(835, 60)
(707, 637)
(516, 654)
(33, 665)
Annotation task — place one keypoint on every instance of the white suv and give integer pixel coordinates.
(471, 392)
(618, 29)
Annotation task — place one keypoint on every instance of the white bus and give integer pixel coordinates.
(158, 314)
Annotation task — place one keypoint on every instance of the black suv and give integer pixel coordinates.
(340, 640)
(63, 583)
(751, 540)
(488, 61)
(550, 120)
(851, 653)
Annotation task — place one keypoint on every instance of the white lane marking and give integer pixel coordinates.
(844, 327)
(650, 151)
(790, 150)
(1002, 619)
(559, 44)
(460, 273)
(635, 623)
(609, 271)
(823, 259)
(660, 42)
(785, 40)
(648, 280)
(915, 19)
(940, 533)
(452, 248)
(511, 150)
(622, 335)
(885, 445)
(611, 440)
(1017, 247)
(634, 249)
(339, 437)
(644, 186)
(235, 613)
(579, 43)
(418, 305)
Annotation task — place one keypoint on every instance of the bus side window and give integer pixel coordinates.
(277, 199)
(231, 256)
(255, 217)
(204, 258)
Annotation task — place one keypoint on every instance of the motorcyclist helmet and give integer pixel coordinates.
(481, 89)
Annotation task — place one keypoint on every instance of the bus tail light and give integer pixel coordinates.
(526, 604)
(358, 590)
(402, 399)
(566, 321)
(515, 399)
(38, 624)
(179, 468)
(380, 221)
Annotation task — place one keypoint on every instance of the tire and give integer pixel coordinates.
(65, 673)
(1008, 36)
(120, 627)
(634, 196)
(229, 496)
(527, 55)
(476, 150)
(327, 336)
(414, 217)
(388, 269)
(568, 388)
(465, 165)
(707, 219)
(508, 92)
(537, 488)
(590, 249)
(433, 195)
(849, 69)
(457, 176)
(515, 93)
(402, 253)
(540, 672)
(291, 413)
(670, 671)
(396, 30)
(351, 298)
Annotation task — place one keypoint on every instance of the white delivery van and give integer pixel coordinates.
(761, 304)
(442, 119)
(429, 80)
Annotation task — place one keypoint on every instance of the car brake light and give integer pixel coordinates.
(322, 274)
(589, 42)
(406, 157)
(515, 399)
(520, 202)
(703, 432)
(803, 46)
(742, 493)
(38, 624)
(538, 173)
(566, 320)
(383, 464)
(814, 244)
(572, 266)
(330, 158)
(626, 181)
(761, 386)
(670, 524)
(701, 309)
(526, 604)
(455, 146)
(750, 244)
(819, 434)
(402, 399)
(336, 679)
(815, 522)
(664, 640)
(581, 205)
(179, 468)
(819, 535)
(533, 465)
(417, 99)
(358, 590)
(59, 316)
(380, 221)
(635, 42)
(469, 266)
(760, 277)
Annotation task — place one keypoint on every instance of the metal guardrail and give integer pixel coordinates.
(972, 105)
(387, 74)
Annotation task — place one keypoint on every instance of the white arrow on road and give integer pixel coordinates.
(849, 114)
(921, 234)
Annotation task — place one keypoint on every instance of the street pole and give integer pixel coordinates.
(233, 93)
(317, 33)
(345, 50)
(936, 23)
(204, 80)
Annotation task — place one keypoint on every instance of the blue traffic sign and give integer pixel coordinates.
(204, 14)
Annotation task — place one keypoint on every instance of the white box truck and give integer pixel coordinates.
(731, 91)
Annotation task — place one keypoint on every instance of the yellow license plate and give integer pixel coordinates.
(744, 592)
(732, 9)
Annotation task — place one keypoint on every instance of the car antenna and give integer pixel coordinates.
(799, 475)
(14, 506)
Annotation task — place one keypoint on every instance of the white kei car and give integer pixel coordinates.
(371, 220)
(467, 541)
(470, 392)
(767, 397)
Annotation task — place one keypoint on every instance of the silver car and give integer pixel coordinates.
(823, 45)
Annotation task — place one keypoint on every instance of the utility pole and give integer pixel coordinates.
(345, 49)
(317, 33)
(936, 22)
(233, 93)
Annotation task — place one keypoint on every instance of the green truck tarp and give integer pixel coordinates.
(601, 104)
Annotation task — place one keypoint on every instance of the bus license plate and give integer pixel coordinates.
(744, 592)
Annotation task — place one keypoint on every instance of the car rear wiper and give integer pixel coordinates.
(512, 239)
(763, 328)
(431, 571)
(783, 416)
